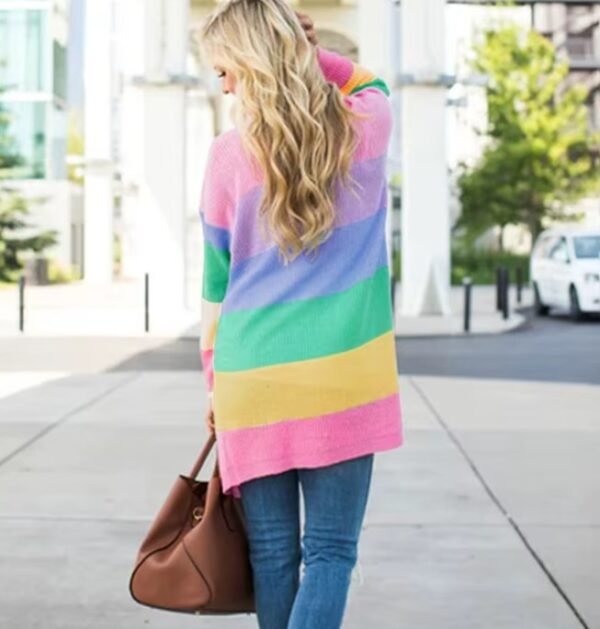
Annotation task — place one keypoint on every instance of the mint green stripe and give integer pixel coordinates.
(310, 328)
(379, 83)
(216, 272)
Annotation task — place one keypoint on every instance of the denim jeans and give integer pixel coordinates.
(335, 499)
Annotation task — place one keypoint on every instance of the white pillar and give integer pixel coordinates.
(375, 53)
(98, 188)
(153, 40)
(375, 50)
(425, 212)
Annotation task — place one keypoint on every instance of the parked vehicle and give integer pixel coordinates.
(565, 271)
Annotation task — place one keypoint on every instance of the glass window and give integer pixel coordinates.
(559, 252)
(22, 62)
(60, 70)
(27, 131)
(587, 246)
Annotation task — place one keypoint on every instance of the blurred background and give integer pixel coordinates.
(488, 516)
(107, 111)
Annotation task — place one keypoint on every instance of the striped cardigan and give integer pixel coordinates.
(300, 359)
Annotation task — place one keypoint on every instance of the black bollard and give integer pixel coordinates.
(519, 283)
(467, 305)
(393, 293)
(147, 302)
(22, 303)
(498, 288)
(505, 292)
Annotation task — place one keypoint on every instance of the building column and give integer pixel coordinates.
(375, 51)
(154, 37)
(98, 185)
(374, 36)
(425, 208)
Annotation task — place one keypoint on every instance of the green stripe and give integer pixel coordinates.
(379, 83)
(300, 330)
(215, 275)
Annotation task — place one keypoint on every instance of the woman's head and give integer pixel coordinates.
(240, 37)
(291, 119)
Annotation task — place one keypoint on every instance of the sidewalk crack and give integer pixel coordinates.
(498, 504)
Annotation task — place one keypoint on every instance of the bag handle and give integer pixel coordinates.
(210, 442)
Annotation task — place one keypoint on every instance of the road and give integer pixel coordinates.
(549, 349)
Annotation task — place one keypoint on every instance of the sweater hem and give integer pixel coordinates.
(231, 483)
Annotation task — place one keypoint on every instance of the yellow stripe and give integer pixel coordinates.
(306, 388)
(359, 77)
(211, 311)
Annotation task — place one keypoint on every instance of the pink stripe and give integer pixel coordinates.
(207, 358)
(335, 67)
(375, 131)
(248, 453)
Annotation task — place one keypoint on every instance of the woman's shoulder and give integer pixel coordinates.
(225, 146)
(375, 127)
(235, 173)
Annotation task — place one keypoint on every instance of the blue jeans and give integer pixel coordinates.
(335, 499)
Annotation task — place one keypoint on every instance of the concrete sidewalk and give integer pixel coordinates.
(79, 309)
(487, 518)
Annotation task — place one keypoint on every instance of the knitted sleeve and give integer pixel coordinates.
(364, 93)
(214, 212)
(362, 88)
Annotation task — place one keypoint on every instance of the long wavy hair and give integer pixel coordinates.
(291, 119)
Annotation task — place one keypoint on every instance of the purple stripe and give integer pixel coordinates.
(247, 238)
(263, 280)
(217, 236)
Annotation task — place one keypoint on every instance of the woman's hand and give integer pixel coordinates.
(210, 417)
(308, 26)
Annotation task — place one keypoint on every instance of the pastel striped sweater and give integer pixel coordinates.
(301, 360)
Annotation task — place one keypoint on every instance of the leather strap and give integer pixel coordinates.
(203, 456)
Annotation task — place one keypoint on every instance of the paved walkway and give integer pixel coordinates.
(118, 310)
(487, 518)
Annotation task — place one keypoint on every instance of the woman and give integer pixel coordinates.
(297, 339)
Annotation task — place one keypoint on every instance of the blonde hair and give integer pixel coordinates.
(291, 119)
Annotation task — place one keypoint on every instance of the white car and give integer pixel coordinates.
(565, 271)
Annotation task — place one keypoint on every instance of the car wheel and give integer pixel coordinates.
(574, 307)
(540, 309)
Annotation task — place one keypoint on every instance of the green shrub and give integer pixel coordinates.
(479, 265)
(59, 274)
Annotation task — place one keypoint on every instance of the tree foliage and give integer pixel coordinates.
(540, 153)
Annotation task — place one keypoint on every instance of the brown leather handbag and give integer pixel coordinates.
(195, 557)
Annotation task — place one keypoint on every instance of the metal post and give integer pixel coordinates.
(147, 302)
(505, 287)
(498, 288)
(22, 303)
(519, 283)
(467, 283)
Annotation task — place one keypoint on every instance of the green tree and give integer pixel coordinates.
(13, 238)
(540, 150)
(16, 235)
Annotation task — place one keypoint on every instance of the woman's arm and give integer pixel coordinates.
(350, 77)
(215, 276)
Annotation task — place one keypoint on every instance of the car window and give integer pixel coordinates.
(558, 251)
(587, 246)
